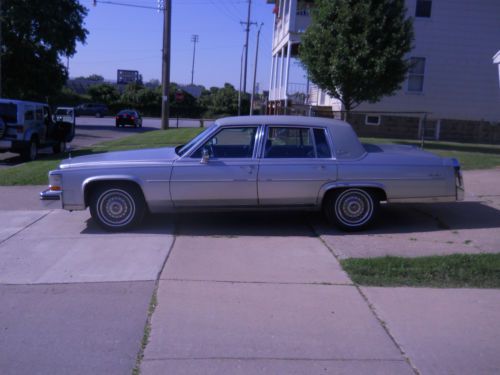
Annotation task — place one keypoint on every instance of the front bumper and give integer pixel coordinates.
(50, 195)
(5, 145)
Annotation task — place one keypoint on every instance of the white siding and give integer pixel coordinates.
(458, 42)
(460, 80)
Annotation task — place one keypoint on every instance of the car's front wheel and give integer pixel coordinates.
(351, 209)
(30, 151)
(117, 206)
(59, 147)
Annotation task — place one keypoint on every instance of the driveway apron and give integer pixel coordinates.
(261, 294)
(74, 299)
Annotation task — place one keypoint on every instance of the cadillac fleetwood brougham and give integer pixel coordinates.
(256, 162)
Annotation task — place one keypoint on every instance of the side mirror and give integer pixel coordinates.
(205, 156)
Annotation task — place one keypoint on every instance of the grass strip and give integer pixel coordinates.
(450, 271)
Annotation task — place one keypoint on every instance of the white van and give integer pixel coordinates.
(27, 126)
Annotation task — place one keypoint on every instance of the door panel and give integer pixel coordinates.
(293, 181)
(218, 183)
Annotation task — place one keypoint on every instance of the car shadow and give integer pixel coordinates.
(219, 224)
(411, 218)
(392, 219)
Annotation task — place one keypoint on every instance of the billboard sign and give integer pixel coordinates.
(127, 76)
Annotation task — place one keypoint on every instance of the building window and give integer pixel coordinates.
(372, 120)
(416, 74)
(423, 8)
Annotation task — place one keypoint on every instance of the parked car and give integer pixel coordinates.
(257, 162)
(128, 117)
(25, 127)
(91, 109)
(66, 114)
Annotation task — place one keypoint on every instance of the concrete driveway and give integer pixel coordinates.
(239, 293)
(74, 299)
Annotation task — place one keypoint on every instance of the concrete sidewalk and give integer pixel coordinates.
(276, 302)
(73, 299)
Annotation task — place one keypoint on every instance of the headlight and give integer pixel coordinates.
(55, 182)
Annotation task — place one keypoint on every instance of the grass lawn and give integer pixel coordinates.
(471, 156)
(451, 271)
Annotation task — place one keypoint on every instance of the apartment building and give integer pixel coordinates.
(453, 87)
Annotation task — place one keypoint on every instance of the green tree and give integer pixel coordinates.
(223, 101)
(103, 93)
(355, 50)
(37, 34)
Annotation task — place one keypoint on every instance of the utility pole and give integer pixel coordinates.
(167, 21)
(255, 69)
(248, 23)
(195, 38)
(241, 79)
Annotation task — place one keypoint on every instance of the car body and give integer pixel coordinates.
(128, 117)
(91, 109)
(25, 127)
(257, 162)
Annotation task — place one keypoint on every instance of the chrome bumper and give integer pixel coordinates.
(49, 195)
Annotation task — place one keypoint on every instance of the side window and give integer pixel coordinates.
(29, 114)
(322, 147)
(283, 142)
(230, 143)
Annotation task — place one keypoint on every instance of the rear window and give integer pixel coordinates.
(8, 111)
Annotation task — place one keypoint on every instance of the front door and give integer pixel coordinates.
(226, 176)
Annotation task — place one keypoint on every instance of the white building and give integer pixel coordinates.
(453, 77)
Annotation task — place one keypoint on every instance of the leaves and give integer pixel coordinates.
(355, 51)
(36, 35)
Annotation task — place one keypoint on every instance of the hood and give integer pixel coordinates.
(131, 157)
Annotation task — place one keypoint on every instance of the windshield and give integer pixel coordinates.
(195, 140)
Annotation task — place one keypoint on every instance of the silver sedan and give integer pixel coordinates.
(256, 162)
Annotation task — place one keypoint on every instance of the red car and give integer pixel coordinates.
(129, 117)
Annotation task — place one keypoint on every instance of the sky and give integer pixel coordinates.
(130, 38)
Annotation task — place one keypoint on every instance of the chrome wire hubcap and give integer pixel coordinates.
(116, 207)
(354, 207)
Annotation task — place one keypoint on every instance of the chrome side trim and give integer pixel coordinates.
(445, 199)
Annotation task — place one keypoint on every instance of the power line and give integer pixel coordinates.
(95, 2)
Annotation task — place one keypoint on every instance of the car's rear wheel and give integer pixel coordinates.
(117, 206)
(351, 209)
(30, 151)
